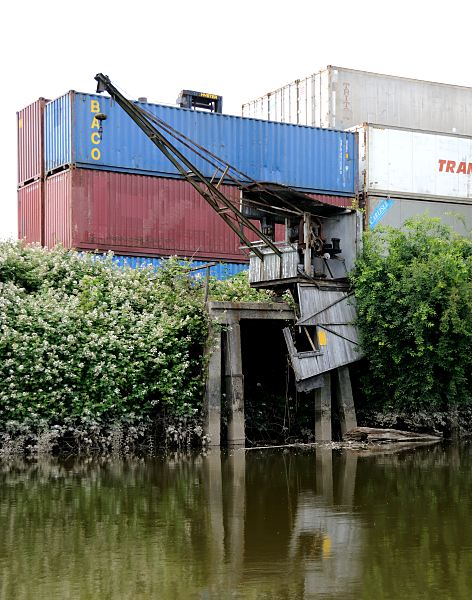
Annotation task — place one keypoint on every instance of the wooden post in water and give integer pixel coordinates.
(348, 478)
(212, 406)
(324, 473)
(345, 401)
(323, 431)
(214, 488)
(234, 385)
(236, 515)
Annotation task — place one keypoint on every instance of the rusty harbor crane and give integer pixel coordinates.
(320, 246)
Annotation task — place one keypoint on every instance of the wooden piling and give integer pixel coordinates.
(345, 400)
(323, 432)
(234, 386)
(212, 401)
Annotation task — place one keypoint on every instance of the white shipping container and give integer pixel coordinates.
(342, 98)
(411, 163)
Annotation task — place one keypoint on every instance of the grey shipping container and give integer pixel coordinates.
(343, 98)
(395, 211)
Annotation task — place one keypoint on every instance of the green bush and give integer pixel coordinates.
(82, 338)
(86, 346)
(414, 296)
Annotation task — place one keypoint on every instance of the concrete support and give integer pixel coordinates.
(234, 386)
(212, 407)
(323, 432)
(346, 408)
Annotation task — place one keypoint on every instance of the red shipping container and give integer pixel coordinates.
(30, 212)
(30, 128)
(130, 214)
(139, 215)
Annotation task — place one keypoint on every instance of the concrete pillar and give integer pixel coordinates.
(212, 406)
(346, 408)
(323, 411)
(234, 386)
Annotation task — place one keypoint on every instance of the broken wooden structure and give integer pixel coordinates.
(321, 338)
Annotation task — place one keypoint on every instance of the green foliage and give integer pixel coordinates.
(80, 337)
(85, 345)
(237, 289)
(414, 297)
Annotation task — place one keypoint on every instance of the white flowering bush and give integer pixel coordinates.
(81, 339)
(88, 349)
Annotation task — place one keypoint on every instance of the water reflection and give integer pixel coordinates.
(325, 543)
(245, 525)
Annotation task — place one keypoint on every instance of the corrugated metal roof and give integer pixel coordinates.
(333, 314)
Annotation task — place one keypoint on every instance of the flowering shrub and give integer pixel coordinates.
(237, 289)
(86, 346)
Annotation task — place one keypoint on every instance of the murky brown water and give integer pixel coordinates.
(244, 525)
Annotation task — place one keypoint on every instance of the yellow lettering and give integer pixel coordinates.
(20, 123)
(95, 124)
(94, 106)
(95, 137)
(95, 154)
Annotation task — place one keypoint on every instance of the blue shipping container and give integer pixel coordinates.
(307, 158)
(220, 270)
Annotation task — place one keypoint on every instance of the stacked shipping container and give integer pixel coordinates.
(406, 167)
(344, 98)
(405, 172)
(30, 128)
(314, 160)
(117, 192)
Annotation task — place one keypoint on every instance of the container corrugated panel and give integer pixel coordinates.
(58, 224)
(220, 270)
(30, 212)
(58, 147)
(342, 201)
(136, 215)
(395, 211)
(30, 142)
(409, 163)
(342, 98)
(306, 158)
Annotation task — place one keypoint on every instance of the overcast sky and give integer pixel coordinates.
(238, 49)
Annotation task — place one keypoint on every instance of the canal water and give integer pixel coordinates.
(273, 524)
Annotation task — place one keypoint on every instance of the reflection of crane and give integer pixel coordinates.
(325, 545)
(306, 262)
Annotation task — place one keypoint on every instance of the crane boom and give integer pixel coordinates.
(232, 216)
